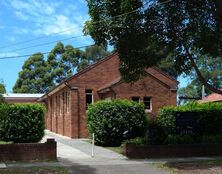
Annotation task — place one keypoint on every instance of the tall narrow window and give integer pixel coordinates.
(89, 97)
(58, 105)
(68, 101)
(147, 103)
(136, 99)
(55, 106)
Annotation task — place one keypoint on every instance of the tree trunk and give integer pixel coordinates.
(200, 76)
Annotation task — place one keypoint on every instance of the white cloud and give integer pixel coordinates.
(50, 17)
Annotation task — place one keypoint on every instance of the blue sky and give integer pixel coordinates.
(22, 20)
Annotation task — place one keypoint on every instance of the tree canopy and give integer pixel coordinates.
(146, 32)
(2, 90)
(211, 69)
(39, 74)
(34, 76)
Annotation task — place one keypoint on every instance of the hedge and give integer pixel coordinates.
(209, 122)
(21, 123)
(110, 119)
(163, 130)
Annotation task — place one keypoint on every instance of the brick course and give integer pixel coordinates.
(157, 85)
(28, 151)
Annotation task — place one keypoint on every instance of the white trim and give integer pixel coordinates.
(151, 104)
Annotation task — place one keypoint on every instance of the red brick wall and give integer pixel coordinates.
(160, 94)
(58, 117)
(28, 151)
(73, 123)
(93, 79)
(172, 151)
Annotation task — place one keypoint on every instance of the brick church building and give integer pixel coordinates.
(67, 103)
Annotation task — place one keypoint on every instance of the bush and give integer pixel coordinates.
(22, 123)
(166, 120)
(180, 139)
(163, 129)
(137, 141)
(212, 139)
(208, 113)
(109, 119)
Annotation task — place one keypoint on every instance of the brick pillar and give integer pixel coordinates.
(74, 107)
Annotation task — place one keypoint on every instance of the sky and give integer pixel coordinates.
(25, 20)
(30, 23)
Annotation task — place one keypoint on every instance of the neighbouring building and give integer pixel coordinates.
(214, 97)
(67, 103)
(22, 98)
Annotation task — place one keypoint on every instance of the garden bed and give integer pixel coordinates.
(171, 151)
(28, 151)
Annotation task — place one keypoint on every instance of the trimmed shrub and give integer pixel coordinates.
(137, 141)
(209, 121)
(166, 120)
(163, 129)
(22, 123)
(110, 119)
(179, 139)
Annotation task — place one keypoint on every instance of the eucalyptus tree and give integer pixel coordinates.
(146, 32)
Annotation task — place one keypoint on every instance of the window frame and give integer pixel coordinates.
(89, 93)
(150, 101)
(139, 100)
(67, 101)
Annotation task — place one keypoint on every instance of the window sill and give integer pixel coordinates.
(148, 110)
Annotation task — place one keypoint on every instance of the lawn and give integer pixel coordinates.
(195, 167)
(35, 170)
(4, 142)
(116, 149)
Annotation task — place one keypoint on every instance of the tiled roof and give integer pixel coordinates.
(212, 98)
(20, 95)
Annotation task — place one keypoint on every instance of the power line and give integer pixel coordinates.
(27, 55)
(95, 22)
(36, 38)
(46, 43)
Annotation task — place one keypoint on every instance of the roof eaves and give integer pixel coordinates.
(110, 86)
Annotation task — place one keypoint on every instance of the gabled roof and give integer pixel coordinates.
(64, 83)
(110, 85)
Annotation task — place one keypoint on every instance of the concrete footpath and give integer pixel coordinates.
(75, 154)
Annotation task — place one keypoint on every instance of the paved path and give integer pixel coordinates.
(76, 154)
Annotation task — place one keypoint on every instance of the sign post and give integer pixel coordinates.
(93, 144)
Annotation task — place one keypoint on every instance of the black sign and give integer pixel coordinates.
(186, 123)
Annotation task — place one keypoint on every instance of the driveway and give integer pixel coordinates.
(76, 154)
